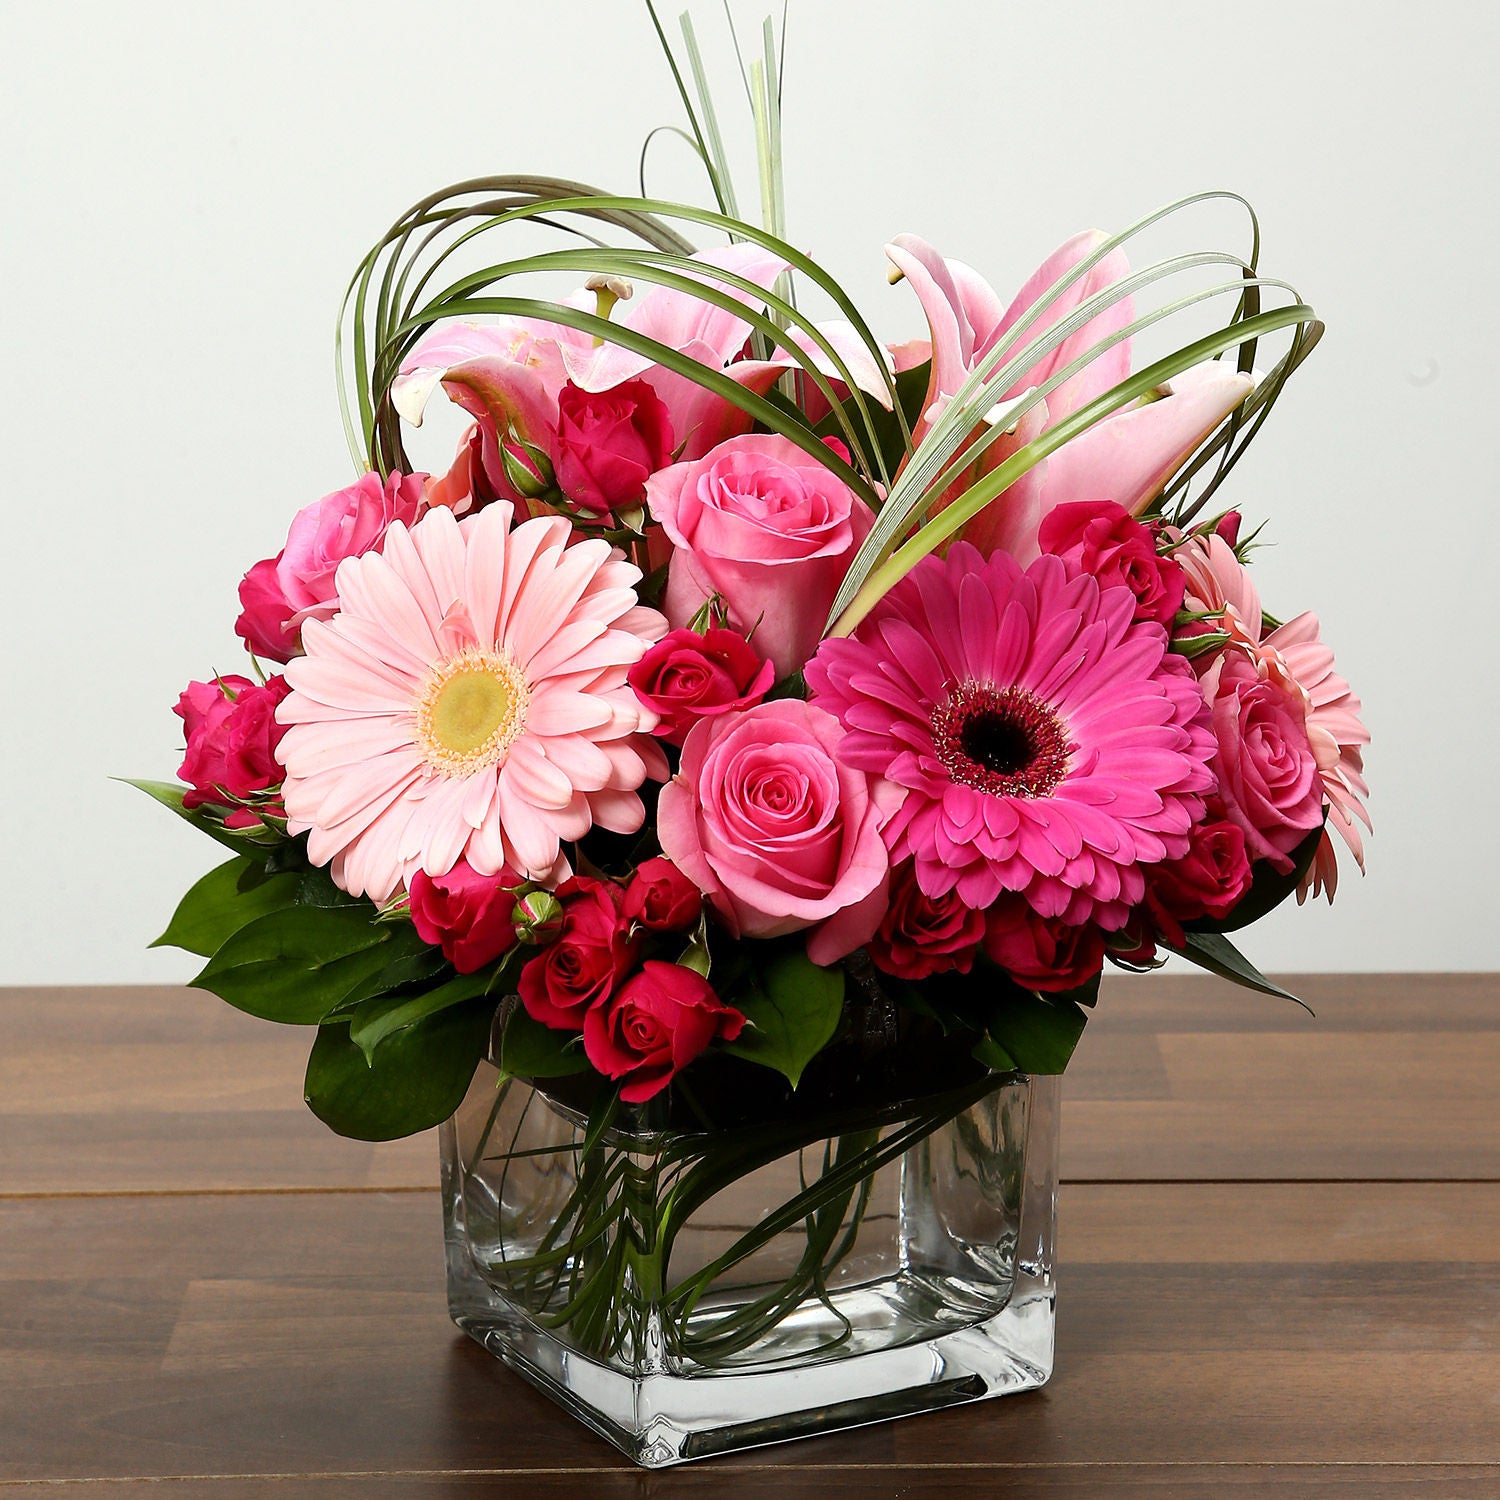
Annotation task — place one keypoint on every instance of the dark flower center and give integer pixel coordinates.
(1002, 740)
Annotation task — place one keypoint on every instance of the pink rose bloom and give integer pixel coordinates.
(776, 831)
(466, 914)
(1268, 775)
(654, 1025)
(232, 734)
(767, 528)
(609, 443)
(1105, 541)
(921, 934)
(1208, 881)
(685, 677)
(264, 614)
(347, 523)
(1042, 953)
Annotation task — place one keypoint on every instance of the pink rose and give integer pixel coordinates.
(685, 677)
(264, 614)
(466, 914)
(1041, 953)
(1208, 881)
(660, 897)
(1268, 775)
(767, 528)
(921, 935)
(1105, 541)
(654, 1025)
(609, 443)
(591, 954)
(347, 523)
(232, 734)
(776, 831)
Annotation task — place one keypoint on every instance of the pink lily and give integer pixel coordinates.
(508, 374)
(1126, 457)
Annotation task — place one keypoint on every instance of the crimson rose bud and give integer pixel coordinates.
(655, 1025)
(232, 734)
(662, 898)
(1228, 527)
(609, 443)
(593, 952)
(1041, 952)
(466, 914)
(921, 935)
(685, 677)
(1104, 540)
(264, 612)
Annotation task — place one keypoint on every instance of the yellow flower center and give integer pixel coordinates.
(470, 712)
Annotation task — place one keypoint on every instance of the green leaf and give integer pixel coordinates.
(1032, 1033)
(379, 1018)
(415, 1081)
(792, 1007)
(1214, 952)
(530, 1050)
(1267, 891)
(295, 965)
(238, 892)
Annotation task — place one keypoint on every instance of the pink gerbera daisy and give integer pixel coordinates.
(1049, 744)
(469, 700)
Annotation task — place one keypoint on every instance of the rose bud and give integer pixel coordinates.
(591, 954)
(686, 676)
(466, 914)
(265, 613)
(231, 734)
(654, 1026)
(1228, 527)
(662, 898)
(1041, 952)
(537, 917)
(609, 443)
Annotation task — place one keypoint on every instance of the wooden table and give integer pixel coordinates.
(1279, 1248)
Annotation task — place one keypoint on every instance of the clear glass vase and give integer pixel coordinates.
(687, 1292)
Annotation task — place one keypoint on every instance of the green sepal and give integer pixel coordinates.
(530, 1050)
(792, 1008)
(169, 794)
(296, 964)
(416, 1080)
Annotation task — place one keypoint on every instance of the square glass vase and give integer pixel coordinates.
(687, 1294)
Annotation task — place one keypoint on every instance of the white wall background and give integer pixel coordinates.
(185, 189)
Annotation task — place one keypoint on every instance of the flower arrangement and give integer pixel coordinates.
(755, 722)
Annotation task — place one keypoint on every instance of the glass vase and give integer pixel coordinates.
(691, 1291)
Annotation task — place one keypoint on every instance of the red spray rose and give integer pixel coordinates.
(1105, 541)
(264, 613)
(466, 914)
(662, 898)
(1208, 881)
(592, 953)
(1041, 952)
(685, 677)
(609, 443)
(232, 734)
(921, 935)
(654, 1025)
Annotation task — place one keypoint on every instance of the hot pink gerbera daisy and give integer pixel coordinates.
(469, 699)
(1048, 744)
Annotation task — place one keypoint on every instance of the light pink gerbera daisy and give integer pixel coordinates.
(469, 699)
(1294, 654)
(1048, 744)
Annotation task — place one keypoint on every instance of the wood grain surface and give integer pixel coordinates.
(1279, 1248)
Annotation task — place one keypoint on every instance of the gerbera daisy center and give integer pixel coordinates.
(470, 711)
(1001, 740)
